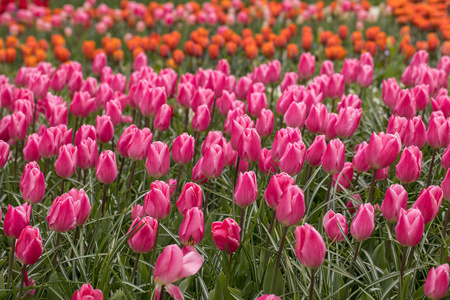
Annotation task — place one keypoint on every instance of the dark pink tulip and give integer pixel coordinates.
(382, 174)
(113, 109)
(26, 107)
(32, 184)
(389, 92)
(87, 154)
(429, 202)
(445, 186)
(256, 102)
(334, 157)
(118, 82)
(335, 226)
(359, 159)
(382, 150)
(335, 88)
(124, 140)
(246, 189)
(409, 166)
(18, 126)
(139, 144)
(295, 115)
(413, 132)
(106, 169)
(309, 246)
(327, 68)
(232, 115)
(225, 102)
(58, 82)
(4, 153)
(212, 164)
(90, 86)
(436, 284)
(104, 129)
(366, 59)
(237, 129)
(282, 138)
(256, 88)
(291, 162)
(265, 163)
(61, 217)
(191, 196)
(274, 73)
(158, 160)
(395, 199)
(315, 152)
(249, 145)
(138, 212)
(213, 137)
(405, 105)
(291, 207)
(410, 226)
(348, 121)
(104, 95)
(441, 103)
(84, 132)
(66, 163)
(349, 101)
(365, 76)
(29, 246)
(202, 96)
(364, 222)
(82, 104)
(16, 219)
(99, 63)
(157, 200)
(87, 292)
(343, 180)
(50, 142)
(438, 133)
(350, 70)
(197, 175)
(264, 123)
(185, 93)
(242, 87)
(162, 118)
(4, 128)
(201, 119)
(139, 92)
(223, 66)
(39, 85)
(421, 96)
(330, 132)
(142, 234)
(317, 119)
(444, 64)
(287, 98)
(306, 66)
(192, 228)
(289, 79)
(81, 205)
(278, 184)
(183, 149)
(153, 100)
(229, 155)
(7, 96)
(445, 160)
(226, 235)
(140, 61)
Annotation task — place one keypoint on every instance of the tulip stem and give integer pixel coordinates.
(16, 155)
(11, 261)
(55, 258)
(197, 140)
(101, 148)
(154, 246)
(402, 269)
(241, 221)
(327, 197)
(84, 176)
(75, 235)
(272, 222)
(229, 268)
(211, 122)
(271, 96)
(430, 171)
(352, 266)
(136, 263)
(122, 162)
(372, 185)
(24, 270)
(63, 181)
(280, 251)
(112, 143)
(311, 285)
(161, 296)
(45, 167)
(443, 246)
(186, 119)
(178, 182)
(130, 180)
(104, 200)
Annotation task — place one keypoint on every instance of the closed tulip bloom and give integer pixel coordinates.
(349, 101)
(162, 118)
(158, 160)
(18, 126)
(336, 86)
(317, 119)
(278, 184)
(113, 109)
(99, 63)
(295, 115)
(256, 103)
(87, 154)
(238, 127)
(343, 180)
(16, 219)
(141, 61)
(61, 217)
(264, 123)
(348, 121)
(225, 102)
(414, 132)
(365, 76)
(359, 162)
(364, 222)
(421, 96)
(139, 143)
(410, 227)
(4, 153)
(333, 224)
(409, 166)
(315, 152)
(438, 133)
(389, 92)
(382, 150)
(445, 186)
(138, 212)
(445, 160)
(30, 150)
(226, 235)
(58, 82)
(152, 101)
(309, 246)
(327, 68)
(185, 92)
(212, 164)
(104, 128)
(350, 70)
(429, 202)
(265, 163)
(246, 189)
(192, 228)
(29, 246)
(306, 66)
(289, 79)
(66, 163)
(106, 169)
(81, 205)
(183, 149)
(87, 292)
(282, 138)
(32, 183)
(82, 104)
(268, 297)
(191, 196)
(291, 207)
(142, 234)
(202, 96)
(395, 199)
(202, 117)
(436, 284)
(334, 157)
(84, 132)
(157, 200)
(405, 105)
(249, 145)
(293, 157)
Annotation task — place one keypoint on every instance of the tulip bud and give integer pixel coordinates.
(104, 128)
(16, 219)
(317, 119)
(84, 132)
(157, 200)
(291, 162)
(183, 149)
(409, 166)
(246, 189)
(212, 164)
(191, 196)
(438, 133)
(327, 68)
(192, 228)
(365, 76)
(278, 185)
(238, 127)
(350, 70)
(82, 104)
(282, 138)
(99, 63)
(364, 222)
(32, 184)
(335, 226)
(61, 217)
(343, 180)
(382, 150)
(202, 117)
(348, 121)
(158, 160)
(410, 226)
(306, 66)
(316, 151)
(18, 126)
(256, 103)
(405, 105)
(309, 246)
(291, 207)
(87, 292)
(4, 153)
(249, 145)
(226, 235)
(106, 169)
(138, 212)
(334, 157)
(162, 118)
(268, 297)
(389, 92)
(395, 199)
(436, 284)
(266, 164)
(139, 143)
(29, 246)
(66, 163)
(87, 154)
(295, 115)
(31, 148)
(264, 124)
(152, 101)
(142, 234)
(428, 202)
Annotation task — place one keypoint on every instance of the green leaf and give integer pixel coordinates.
(379, 256)
(119, 295)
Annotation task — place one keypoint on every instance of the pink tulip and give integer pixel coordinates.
(291, 207)
(87, 292)
(264, 123)
(87, 154)
(359, 162)
(429, 202)
(66, 163)
(256, 103)
(382, 150)
(104, 128)
(191, 196)
(365, 76)
(349, 101)
(31, 148)
(138, 212)
(157, 200)
(409, 166)
(265, 163)
(364, 222)
(185, 93)
(405, 105)
(249, 145)
(413, 132)
(317, 119)
(436, 284)
(334, 157)
(18, 126)
(162, 118)
(291, 162)
(106, 169)
(350, 70)
(82, 104)
(389, 92)
(410, 227)
(29, 246)
(278, 185)
(395, 199)
(98, 63)
(139, 144)
(295, 115)
(282, 138)
(192, 228)
(81, 205)
(140, 61)
(343, 180)
(142, 234)
(61, 217)
(316, 151)
(32, 184)
(152, 101)
(84, 132)
(212, 164)
(335, 226)
(309, 246)
(289, 79)
(306, 66)
(438, 133)
(238, 127)
(158, 160)
(202, 118)
(330, 132)
(50, 142)
(4, 153)
(197, 175)
(366, 59)
(183, 149)
(348, 121)
(226, 235)
(327, 68)
(336, 86)
(246, 189)
(202, 96)
(421, 96)
(268, 297)
(16, 219)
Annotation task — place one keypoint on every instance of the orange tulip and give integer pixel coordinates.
(178, 56)
(213, 51)
(11, 54)
(292, 51)
(343, 32)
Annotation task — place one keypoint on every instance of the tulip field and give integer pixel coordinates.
(224, 149)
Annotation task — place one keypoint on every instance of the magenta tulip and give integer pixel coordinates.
(142, 234)
(191, 196)
(192, 228)
(436, 284)
(16, 219)
(309, 246)
(106, 169)
(409, 166)
(429, 202)
(382, 150)
(335, 226)
(364, 222)
(29, 246)
(226, 235)
(395, 199)
(291, 207)
(410, 227)
(157, 200)
(183, 149)
(87, 292)
(334, 157)
(158, 160)
(32, 184)
(246, 189)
